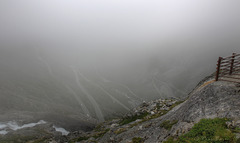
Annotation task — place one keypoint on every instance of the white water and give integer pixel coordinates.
(114, 99)
(106, 92)
(3, 132)
(47, 65)
(89, 96)
(84, 108)
(44, 62)
(169, 85)
(2, 126)
(106, 80)
(12, 125)
(156, 88)
(129, 90)
(62, 130)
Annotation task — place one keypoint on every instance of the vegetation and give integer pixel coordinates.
(98, 127)
(161, 113)
(137, 140)
(207, 130)
(81, 139)
(101, 133)
(96, 135)
(120, 130)
(168, 124)
(130, 119)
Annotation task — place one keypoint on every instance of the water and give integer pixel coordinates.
(13, 125)
(62, 130)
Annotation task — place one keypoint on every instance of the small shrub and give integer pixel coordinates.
(98, 127)
(120, 130)
(82, 138)
(207, 131)
(137, 140)
(170, 140)
(175, 104)
(132, 118)
(101, 133)
(168, 124)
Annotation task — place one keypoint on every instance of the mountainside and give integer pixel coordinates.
(37, 86)
(209, 100)
(158, 120)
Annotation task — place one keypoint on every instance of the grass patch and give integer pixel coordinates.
(207, 130)
(81, 139)
(97, 135)
(98, 127)
(132, 118)
(161, 113)
(137, 140)
(175, 104)
(168, 124)
(120, 130)
(101, 134)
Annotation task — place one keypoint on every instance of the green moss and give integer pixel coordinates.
(82, 138)
(161, 113)
(97, 135)
(207, 130)
(120, 130)
(133, 118)
(236, 130)
(98, 127)
(168, 124)
(101, 133)
(170, 140)
(175, 104)
(18, 139)
(137, 140)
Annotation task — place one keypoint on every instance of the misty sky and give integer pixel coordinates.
(102, 57)
(119, 31)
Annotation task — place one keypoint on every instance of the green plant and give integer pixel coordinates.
(207, 130)
(170, 140)
(137, 140)
(120, 130)
(101, 133)
(98, 127)
(168, 124)
(130, 119)
(82, 138)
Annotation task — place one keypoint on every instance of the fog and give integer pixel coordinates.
(92, 60)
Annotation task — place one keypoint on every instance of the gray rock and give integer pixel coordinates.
(218, 99)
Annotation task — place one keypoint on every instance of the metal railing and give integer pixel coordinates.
(228, 68)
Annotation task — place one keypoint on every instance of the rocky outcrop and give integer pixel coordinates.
(209, 100)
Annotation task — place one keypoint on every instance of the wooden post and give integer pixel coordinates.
(232, 63)
(218, 68)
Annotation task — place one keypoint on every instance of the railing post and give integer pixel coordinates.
(218, 68)
(232, 62)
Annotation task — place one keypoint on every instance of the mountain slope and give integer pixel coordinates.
(208, 100)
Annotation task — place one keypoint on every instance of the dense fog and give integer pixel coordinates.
(91, 60)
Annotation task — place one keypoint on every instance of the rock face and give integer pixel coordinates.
(209, 100)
